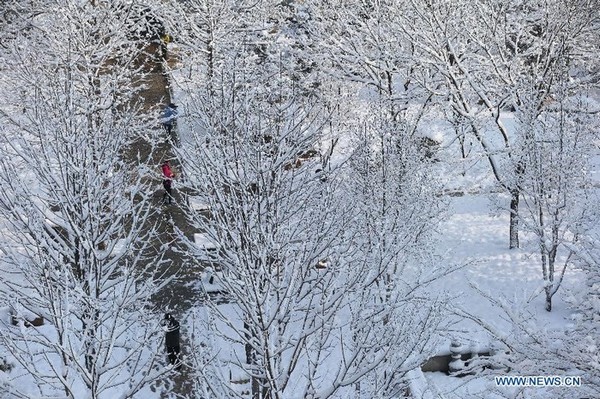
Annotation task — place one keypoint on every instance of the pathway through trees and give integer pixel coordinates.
(180, 295)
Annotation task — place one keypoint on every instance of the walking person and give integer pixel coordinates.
(168, 117)
(171, 327)
(168, 176)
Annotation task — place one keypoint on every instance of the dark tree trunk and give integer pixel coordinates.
(251, 361)
(514, 219)
(548, 300)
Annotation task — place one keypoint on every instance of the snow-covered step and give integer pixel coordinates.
(211, 280)
(203, 241)
(119, 248)
(196, 204)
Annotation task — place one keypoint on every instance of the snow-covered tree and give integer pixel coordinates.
(365, 44)
(556, 190)
(310, 312)
(496, 58)
(207, 31)
(73, 210)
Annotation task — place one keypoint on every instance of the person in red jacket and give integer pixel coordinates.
(167, 181)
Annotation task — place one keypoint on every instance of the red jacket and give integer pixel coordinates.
(167, 172)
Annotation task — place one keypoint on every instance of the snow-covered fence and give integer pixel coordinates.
(460, 360)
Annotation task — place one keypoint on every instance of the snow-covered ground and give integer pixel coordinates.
(475, 234)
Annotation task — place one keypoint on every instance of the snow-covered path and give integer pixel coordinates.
(180, 295)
